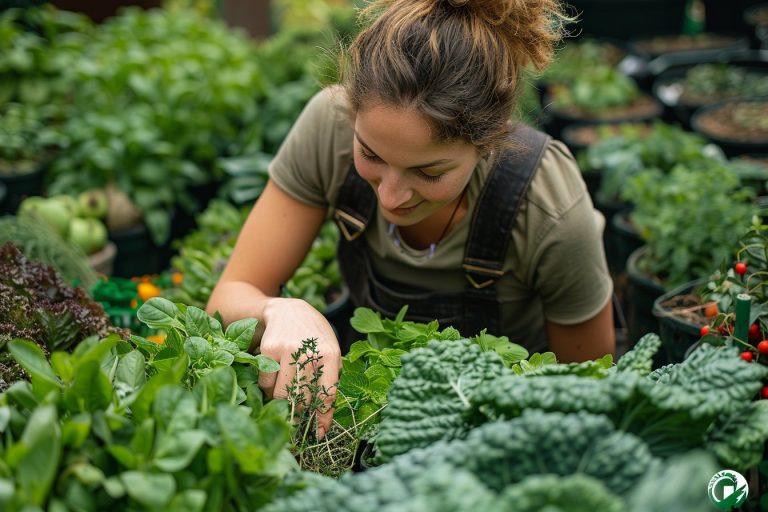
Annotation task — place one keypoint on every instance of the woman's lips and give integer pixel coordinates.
(401, 212)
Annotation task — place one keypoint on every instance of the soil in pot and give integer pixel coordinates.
(681, 316)
(643, 109)
(738, 126)
(685, 90)
(580, 136)
(674, 43)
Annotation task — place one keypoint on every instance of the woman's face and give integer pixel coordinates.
(412, 175)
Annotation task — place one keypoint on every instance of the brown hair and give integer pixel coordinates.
(459, 62)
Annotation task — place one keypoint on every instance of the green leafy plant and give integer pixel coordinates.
(577, 56)
(662, 146)
(156, 134)
(372, 365)
(25, 139)
(204, 253)
(190, 331)
(706, 83)
(625, 440)
(689, 218)
(37, 47)
(98, 429)
(601, 89)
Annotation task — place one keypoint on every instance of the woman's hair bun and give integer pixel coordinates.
(458, 3)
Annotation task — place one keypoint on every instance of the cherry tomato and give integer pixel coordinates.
(762, 347)
(764, 392)
(754, 332)
(747, 356)
(740, 268)
(704, 330)
(710, 310)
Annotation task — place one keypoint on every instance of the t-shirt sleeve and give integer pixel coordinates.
(304, 164)
(569, 267)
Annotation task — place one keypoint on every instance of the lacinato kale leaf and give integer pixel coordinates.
(427, 402)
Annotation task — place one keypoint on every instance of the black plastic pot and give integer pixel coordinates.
(733, 145)
(643, 290)
(363, 456)
(625, 19)
(338, 314)
(558, 120)
(722, 16)
(758, 31)
(666, 90)
(677, 334)
(137, 254)
(625, 238)
(3, 194)
(609, 211)
(21, 185)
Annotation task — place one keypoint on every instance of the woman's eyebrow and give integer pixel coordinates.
(439, 161)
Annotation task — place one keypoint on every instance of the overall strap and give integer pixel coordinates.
(497, 207)
(356, 205)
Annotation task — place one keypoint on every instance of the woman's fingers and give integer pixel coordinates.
(328, 382)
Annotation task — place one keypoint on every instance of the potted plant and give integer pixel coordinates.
(684, 89)
(605, 94)
(738, 125)
(203, 254)
(676, 44)
(155, 137)
(25, 149)
(38, 305)
(615, 160)
(690, 218)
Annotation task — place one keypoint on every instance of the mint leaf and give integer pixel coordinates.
(366, 321)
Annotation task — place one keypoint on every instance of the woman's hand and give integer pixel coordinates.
(288, 323)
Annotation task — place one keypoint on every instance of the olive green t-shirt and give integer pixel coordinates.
(555, 268)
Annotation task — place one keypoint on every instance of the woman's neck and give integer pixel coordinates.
(435, 227)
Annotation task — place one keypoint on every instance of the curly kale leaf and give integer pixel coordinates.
(678, 484)
(506, 452)
(738, 438)
(510, 396)
(429, 399)
(598, 368)
(708, 383)
(475, 473)
(395, 488)
(640, 358)
(553, 493)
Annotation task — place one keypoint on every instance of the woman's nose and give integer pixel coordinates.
(392, 190)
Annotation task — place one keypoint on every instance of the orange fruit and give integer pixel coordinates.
(147, 291)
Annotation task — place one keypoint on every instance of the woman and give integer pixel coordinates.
(444, 204)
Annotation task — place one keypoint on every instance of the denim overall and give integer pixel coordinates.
(477, 306)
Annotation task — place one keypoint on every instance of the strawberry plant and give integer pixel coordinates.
(748, 275)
